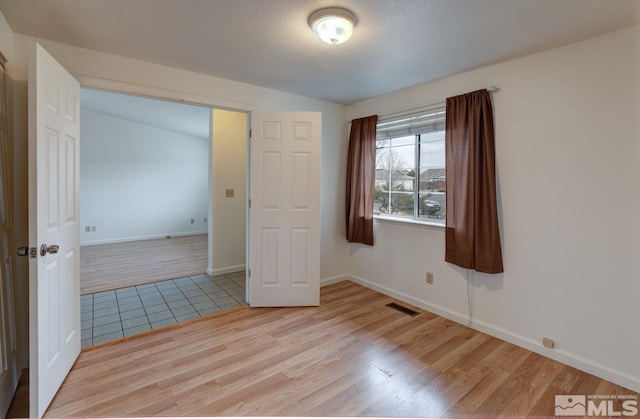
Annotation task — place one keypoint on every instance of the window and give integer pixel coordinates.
(410, 167)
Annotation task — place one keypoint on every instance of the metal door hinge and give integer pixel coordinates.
(249, 203)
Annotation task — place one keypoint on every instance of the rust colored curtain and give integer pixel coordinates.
(472, 234)
(361, 173)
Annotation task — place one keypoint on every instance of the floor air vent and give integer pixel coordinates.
(403, 309)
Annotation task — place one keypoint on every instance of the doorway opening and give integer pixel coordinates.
(162, 213)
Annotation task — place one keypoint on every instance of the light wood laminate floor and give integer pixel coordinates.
(118, 265)
(351, 356)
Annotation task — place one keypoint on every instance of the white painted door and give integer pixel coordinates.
(9, 371)
(54, 276)
(284, 232)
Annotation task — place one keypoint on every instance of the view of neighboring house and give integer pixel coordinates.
(395, 192)
(405, 180)
(432, 180)
(395, 180)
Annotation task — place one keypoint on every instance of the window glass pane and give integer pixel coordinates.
(403, 157)
(434, 136)
(382, 143)
(382, 164)
(432, 180)
(409, 185)
(380, 201)
(432, 150)
(398, 204)
(409, 140)
(432, 163)
(395, 168)
(382, 181)
(432, 206)
(403, 180)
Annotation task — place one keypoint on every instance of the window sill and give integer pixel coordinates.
(406, 221)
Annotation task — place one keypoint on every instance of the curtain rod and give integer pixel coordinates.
(491, 89)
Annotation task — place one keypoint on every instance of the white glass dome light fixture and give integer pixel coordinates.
(333, 25)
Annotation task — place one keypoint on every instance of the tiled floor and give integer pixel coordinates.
(111, 315)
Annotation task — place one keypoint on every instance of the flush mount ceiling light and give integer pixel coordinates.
(333, 25)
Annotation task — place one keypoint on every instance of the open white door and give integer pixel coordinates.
(54, 272)
(284, 232)
(9, 371)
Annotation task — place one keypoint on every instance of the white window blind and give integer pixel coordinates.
(421, 122)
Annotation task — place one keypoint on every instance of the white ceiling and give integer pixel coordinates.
(179, 117)
(396, 43)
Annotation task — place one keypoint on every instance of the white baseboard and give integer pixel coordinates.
(227, 270)
(138, 238)
(333, 280)
(567, 358)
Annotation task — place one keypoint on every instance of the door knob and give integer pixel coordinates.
(32, 252)
(44, 249)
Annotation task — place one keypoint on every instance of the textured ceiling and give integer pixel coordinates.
(396, 43)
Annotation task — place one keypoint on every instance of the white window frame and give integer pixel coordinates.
(416, 124)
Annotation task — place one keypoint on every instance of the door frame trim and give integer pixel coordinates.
(162, 94)
(156, 93)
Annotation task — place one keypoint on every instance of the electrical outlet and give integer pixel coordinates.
(430, 278)
(229, 193)
(204, 220)
(93, 229)
(548, 343)
(193, 221)
(87, 229)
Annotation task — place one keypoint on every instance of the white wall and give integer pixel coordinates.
(117, 73)
(568, 146)
(139, 181)
(228, 215)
